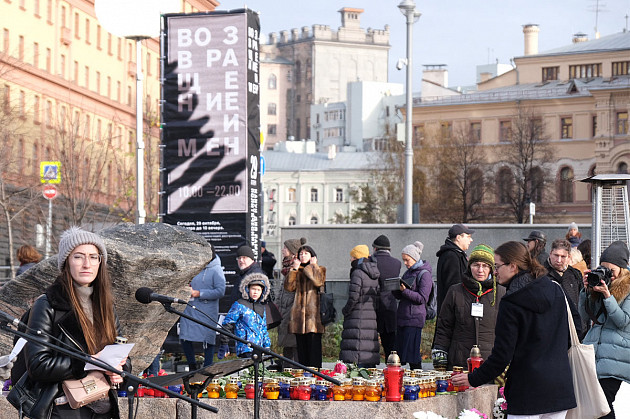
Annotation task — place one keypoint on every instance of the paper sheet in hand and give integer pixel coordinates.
(14, 353)
(112, 354)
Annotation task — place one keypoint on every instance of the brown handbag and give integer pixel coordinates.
(92, 387)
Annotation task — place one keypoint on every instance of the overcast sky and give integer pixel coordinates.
(459, 33)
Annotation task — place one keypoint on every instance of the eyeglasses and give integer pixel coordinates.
(480, 265)
(80, 258)
(497, 266)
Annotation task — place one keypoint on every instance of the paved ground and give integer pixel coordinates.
(622, 402)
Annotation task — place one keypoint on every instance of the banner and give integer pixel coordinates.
(211, 129)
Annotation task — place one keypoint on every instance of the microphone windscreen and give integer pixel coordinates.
(143, 295)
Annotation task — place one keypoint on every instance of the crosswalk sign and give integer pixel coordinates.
(50, 171)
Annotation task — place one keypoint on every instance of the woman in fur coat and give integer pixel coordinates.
(610, 335)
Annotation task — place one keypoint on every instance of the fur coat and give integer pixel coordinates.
(306, 282)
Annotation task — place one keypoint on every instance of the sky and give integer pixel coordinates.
(459, 33)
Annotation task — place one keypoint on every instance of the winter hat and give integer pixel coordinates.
(617, 254)
(482, 253)
(360, 251)
(382, 242)
(294, 244)
(263, 243)
(413, 250)
(76, 236)
(245, 251)
(573, 226)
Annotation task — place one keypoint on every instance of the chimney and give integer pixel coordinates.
(332, 152)
(580, 37)
(531, 38)
(273, 38)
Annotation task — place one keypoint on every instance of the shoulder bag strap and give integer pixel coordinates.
(574, 337)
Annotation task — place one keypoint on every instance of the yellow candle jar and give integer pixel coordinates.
(372, 391)
(214, 389)
(231, 389)
(272, 388)
(358, 389)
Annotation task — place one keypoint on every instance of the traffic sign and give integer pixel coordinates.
(50, 192)
(50, 171)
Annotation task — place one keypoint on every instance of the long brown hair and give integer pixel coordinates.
(517, 253)
(103, 329)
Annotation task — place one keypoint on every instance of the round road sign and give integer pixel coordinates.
(50, 192)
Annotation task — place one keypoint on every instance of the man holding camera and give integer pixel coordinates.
(566, 275)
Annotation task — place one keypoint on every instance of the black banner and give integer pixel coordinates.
(211, 129)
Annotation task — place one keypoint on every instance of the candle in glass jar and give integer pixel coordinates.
(214, 389)
(372, 391)
(231, 389)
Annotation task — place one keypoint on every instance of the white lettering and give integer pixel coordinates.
(231, 37)
(188, 82)
(184, 59)
(231, 101)
(231, 80)
(185, 99)
(230, 123)
(184, 38)
(186, 147)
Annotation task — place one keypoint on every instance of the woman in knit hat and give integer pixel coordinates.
(573, 235)
(610, 304)
(77, 309)
(415, 289)
(285, 299)
(359, 339)
(306, 279)
(459, 327)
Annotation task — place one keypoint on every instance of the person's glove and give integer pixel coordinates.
(438, 354)
(5, 370)
(223, 350)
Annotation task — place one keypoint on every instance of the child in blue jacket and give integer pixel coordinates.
(247, 317)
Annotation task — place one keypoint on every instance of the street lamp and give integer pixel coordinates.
(408, 9)
(135, 20)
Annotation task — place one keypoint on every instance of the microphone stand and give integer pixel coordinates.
(256, 355)
(135, 381)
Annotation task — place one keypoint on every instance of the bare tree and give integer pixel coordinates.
(529, 155)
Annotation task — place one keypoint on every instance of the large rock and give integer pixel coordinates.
(159, 256)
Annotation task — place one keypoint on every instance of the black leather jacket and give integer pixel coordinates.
(46, 369)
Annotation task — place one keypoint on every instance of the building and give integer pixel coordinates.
(313, 65)
(302, 186)
(580, 94)
(68, 95)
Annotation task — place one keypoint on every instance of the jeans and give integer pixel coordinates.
(189, 351)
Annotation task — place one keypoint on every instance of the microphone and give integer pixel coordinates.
(145, 295)
(12, 319)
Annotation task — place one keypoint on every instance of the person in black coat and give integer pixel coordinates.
(570, 278)
(246, 265)
(268, 260)
(359, 339)
(531, 336)
(389, 267)
(452, 260)
(536, 242)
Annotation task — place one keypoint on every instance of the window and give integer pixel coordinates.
(446, 129)
(537, 183)
(98, 37)
(36, 55)
(566, 127)
(48, 114)
(297, 128)
(36, 8)
(622, 123)
(118, 91)
(505, 182)
(271, 109)
(475, 132)
(148, 64)
(291, 221)
(594, 126)
(62, 66)
(49, 11)
(622, 168)
(109, 87)
(313, 194)
(338, 195)
(87, 31)
(21, 48)
(48, 59)
(298, 72)
(22, 104)
(36, 109)
(476, 187)
(550, 73)
(98, 82)
(76, 25)
(87, 77)
(272, 82)
(620, 68)
(418, 135)
(5, 43)
(271, 129)
(505, 131)
(76, 72)
(314, 219)
(109, 43)
(291, 196)
(128, 95)
(585, 70)
(566, 185)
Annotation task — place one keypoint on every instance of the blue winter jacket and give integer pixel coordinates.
(210, 283)
(248, 317)
(611, 339)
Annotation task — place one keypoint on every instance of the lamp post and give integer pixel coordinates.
(408, 9)
(136, 20)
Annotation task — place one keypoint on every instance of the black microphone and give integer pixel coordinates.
(12, 319)
(145, 295)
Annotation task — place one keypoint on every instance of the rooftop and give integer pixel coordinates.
(282, 161)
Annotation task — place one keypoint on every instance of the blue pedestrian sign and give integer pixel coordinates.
(50, 171)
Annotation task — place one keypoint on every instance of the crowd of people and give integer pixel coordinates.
(511, 302)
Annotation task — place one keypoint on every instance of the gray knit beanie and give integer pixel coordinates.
(76, 236)
(414, 250)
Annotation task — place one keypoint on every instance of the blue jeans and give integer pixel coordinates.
(154, 368)
(189, 351)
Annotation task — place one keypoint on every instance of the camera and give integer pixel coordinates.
(595, 276)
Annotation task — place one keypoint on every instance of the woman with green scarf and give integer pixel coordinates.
(469, 312)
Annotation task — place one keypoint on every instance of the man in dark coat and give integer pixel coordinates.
(246, 265)
(452, 260)
(389, 267)
(536, 242)
(566, 275)
(268, 261)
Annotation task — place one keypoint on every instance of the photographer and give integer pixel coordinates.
(608, 305)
